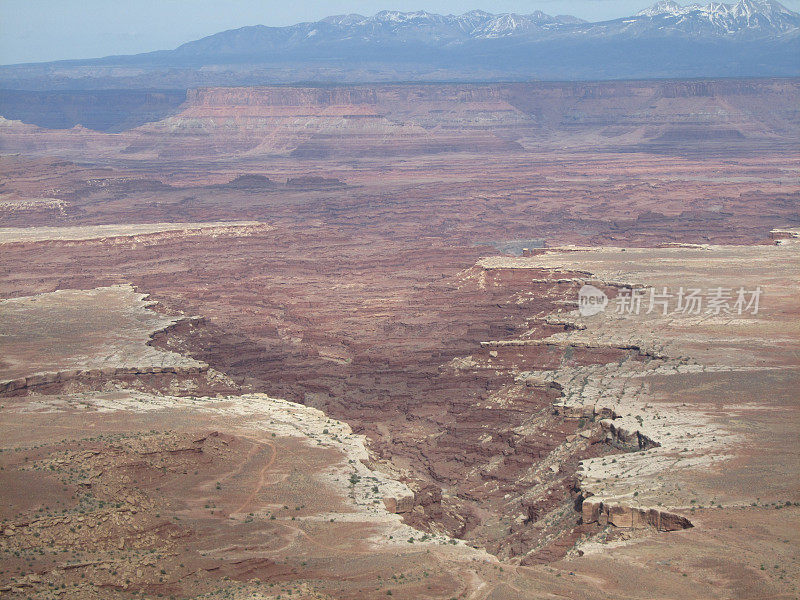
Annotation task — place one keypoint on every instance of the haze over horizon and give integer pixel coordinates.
(44, 30)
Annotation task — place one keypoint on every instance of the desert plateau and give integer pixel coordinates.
(493, 340)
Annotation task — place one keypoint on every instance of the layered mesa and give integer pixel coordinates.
(325, 264)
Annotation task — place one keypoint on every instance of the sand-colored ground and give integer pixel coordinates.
(710, 402)
(63, 335)
(485, 414)
(142, 491)
(10, 235)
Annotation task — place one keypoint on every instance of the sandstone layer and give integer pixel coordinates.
(67, 334)
(396, 120)
(696, 407)
(377, 295)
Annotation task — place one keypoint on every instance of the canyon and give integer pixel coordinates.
(323, 342)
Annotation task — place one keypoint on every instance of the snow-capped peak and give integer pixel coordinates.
(742, 8)
(768, 8)
(663, 7)
(753, 16)
(344, 20)
(478, 14)
(394, 16)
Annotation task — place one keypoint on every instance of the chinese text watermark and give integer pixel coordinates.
(664, 301)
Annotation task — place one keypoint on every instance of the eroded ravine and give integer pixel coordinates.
(487, 456)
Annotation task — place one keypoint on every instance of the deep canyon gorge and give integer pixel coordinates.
(287, 339)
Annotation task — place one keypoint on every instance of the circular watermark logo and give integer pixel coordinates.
(591, 301)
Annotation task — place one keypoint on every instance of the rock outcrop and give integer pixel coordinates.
(316, 123)
(628, 517)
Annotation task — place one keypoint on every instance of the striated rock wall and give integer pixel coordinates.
(687, 409)
(67, 334)
(329, 96)
(624, 516)
(413, 119)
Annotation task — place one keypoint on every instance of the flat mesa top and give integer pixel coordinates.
(10, 235)
(82, 330)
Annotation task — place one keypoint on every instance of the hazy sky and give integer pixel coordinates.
(42, 30)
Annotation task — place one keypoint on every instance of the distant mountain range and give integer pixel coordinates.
(748, 38)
